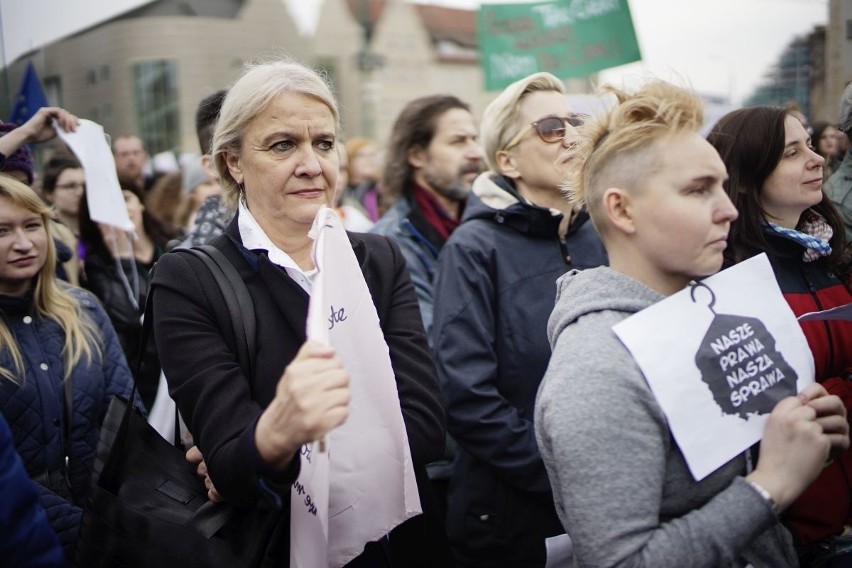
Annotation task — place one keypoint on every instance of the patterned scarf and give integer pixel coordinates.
(814, 235)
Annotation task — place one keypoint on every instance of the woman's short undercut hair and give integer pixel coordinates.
(256, 88)
(615, 148)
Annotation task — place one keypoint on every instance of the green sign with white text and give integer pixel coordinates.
(569, 38)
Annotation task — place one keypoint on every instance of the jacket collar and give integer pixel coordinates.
(290, 298)
(495, 198)
(233, 233)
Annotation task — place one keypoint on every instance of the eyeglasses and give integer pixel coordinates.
(81, 185)
(550, 128)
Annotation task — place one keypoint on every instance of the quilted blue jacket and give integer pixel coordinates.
(26, 539)
(34, 407)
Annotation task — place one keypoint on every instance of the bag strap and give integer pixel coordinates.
(237, 300)
(241, 309)
(238, 303)
(109, 474)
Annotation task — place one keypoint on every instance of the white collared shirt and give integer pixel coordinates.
(254, 237)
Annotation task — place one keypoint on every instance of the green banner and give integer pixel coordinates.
(569, 38)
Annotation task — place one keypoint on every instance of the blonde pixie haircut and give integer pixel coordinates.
(258, 86)
(50, 298)
(500, 119)
(618, 148)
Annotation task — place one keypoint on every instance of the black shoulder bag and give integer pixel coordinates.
(146, 505)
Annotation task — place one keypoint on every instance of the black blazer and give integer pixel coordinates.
(197, 351)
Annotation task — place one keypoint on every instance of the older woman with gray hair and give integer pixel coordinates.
(275, 149)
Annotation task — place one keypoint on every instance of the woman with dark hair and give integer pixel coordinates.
(775, 182)
(825, 144)
(116, 269)
(62, 186)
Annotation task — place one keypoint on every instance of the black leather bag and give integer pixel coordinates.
(146, 505)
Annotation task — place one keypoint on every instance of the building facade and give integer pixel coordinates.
(838, 58)
(145, 71)
(814, 69)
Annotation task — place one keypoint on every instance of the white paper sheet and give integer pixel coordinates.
(103, 192)
(363, 485)
(762, 339)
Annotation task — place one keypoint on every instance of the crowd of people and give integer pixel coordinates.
(498, 255)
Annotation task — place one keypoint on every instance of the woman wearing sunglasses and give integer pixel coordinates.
(494, 291)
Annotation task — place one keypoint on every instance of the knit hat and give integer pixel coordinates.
(845, 122)
(19, 161)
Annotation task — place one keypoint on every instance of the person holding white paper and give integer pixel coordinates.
(275, 149)
(39, 128)
(776, 184)
(653, 187)
(117, 269)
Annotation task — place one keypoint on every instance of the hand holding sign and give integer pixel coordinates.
(364, 485)
(799, 434)
(831, 416)
(311, 398)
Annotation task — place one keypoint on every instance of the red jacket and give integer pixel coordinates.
(824, 508)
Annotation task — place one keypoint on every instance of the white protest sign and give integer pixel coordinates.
(103, 192)
(718, 356)
(364, 485)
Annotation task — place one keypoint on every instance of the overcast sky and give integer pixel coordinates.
(720, 47)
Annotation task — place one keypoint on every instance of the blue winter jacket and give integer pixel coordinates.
(494, 291)
(404, 223)
(26, 539)
(33, 406)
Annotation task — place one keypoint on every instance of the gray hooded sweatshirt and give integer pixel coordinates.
(622, 488)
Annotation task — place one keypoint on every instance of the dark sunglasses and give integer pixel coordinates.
(550, 128)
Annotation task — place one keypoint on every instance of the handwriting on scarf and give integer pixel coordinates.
(336, 317)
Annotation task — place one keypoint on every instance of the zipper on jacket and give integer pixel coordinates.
(563, 249)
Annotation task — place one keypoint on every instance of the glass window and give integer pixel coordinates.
(157, 109)
(53, 90)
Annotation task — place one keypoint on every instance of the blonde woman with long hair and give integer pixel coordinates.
(60, 360)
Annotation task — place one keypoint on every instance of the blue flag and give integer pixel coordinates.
(30, 97)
